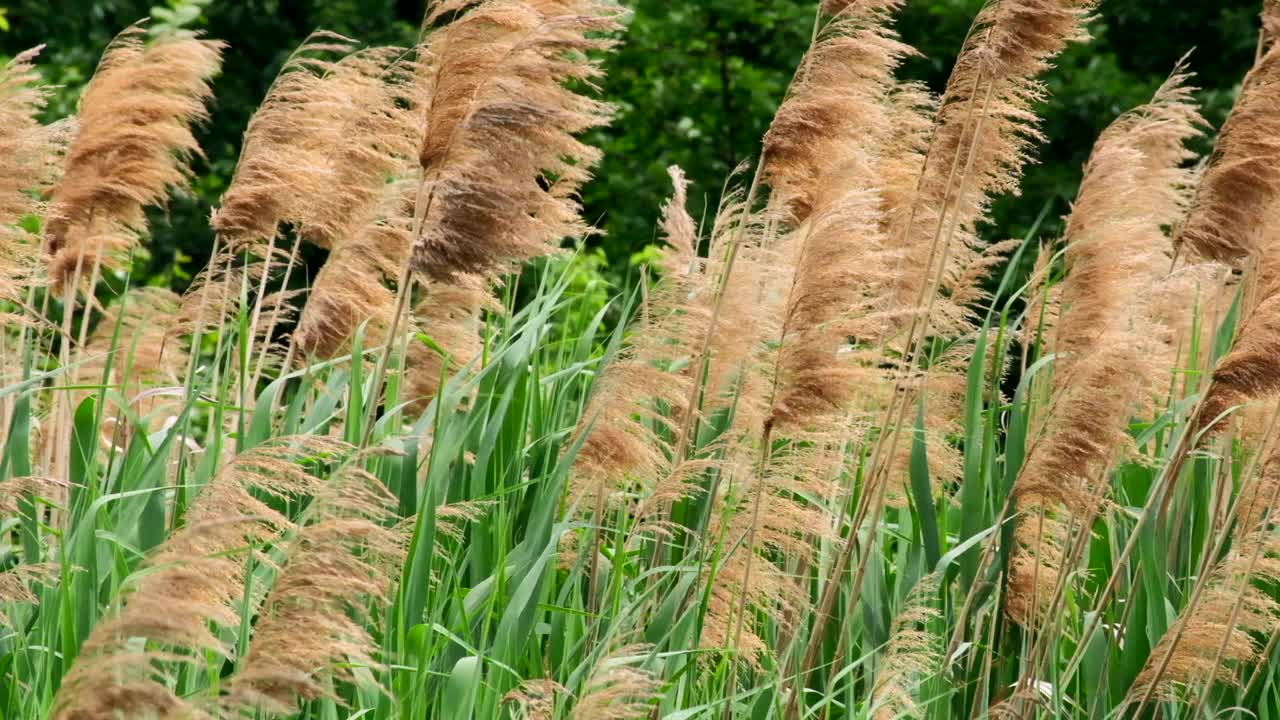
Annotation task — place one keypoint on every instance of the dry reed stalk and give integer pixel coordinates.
(981, 140)
(191, 586)
(313, 628)
(30, 161)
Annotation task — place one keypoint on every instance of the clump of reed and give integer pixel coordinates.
(1116, 252)
(195, 584)
(781, 487)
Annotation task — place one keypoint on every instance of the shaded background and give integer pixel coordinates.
(696, 84)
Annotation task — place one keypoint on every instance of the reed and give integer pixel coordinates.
(839, 453)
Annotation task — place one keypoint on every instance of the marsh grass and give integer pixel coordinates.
(836, 455)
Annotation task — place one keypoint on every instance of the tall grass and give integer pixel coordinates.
(836, 456)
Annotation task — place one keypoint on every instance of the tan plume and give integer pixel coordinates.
(329, 135)
(501, 161)
(132, 146)
(1135, 186)
(313, 627)
(28, 167)
(623, 425)
(984, 132)
(190, 588)
(617, 690)
(836, 102)
(1236, 200)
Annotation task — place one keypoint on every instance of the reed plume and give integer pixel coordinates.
(134, 352)
(614, 690)
(835, 103)
(1251, 370)
(28, 169)
(1135, 186)
(1214, 635)
(1237, 197)
(16, 581)
(983, 136)
(192, 585)
(913, 653)
(535, 699)
(313, 627)
(625, 423)
(822, 156)
(131, 149)
(330, 134)
(285, 155)
(501, 162)
(355, 287)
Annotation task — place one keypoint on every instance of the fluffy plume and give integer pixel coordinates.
(535, 699)
(840, 263)
(313, 626)
(983, 135)
(134, 352)
(320, 149)
(451, 314)
(354, 286)
(1236, 201)
(28, 167)
(193, 583)
(615, 690)
(1135, 186)
(1270, 25)
(821, 161)
(912, 654)
(144, 354)
(282, 153)
(767, 526)
(131, 150)
(16, 581)
(835, 103)
(1216, 633)
(830, 279)
(1252, 369)
(500, 158)
(623, 419)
